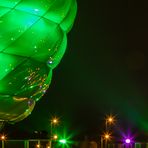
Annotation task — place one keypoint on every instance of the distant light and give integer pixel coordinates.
(55, 121)
(3, 137)
(127, 140)
(110, 119)
(62, 141)
(55, 137)
(37, 145)
(107, 136)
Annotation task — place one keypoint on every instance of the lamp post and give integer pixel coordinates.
(3, 139)
(109, 120)
(54, 121)
(101, 142)
(105, 137)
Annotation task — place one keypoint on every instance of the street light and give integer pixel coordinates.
(109, 120)
(55, 137)
(105, 137)
(3, 138)
(54, 121)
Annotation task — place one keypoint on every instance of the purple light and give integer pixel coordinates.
(127, 140)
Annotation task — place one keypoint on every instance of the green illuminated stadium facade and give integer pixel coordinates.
(33, 39)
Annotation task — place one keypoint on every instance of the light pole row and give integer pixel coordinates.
(54, 121)
(109, 120)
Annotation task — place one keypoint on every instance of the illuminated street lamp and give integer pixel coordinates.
(109, 120)
(55, 137)
(54, 121)
(105, 137)
(3, 138)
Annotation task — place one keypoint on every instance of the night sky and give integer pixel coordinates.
(103, 71)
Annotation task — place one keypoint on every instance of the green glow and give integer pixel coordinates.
(33, 39)
(63, 141)
(65, 138)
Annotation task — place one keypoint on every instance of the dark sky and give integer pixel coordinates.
(104, 70)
